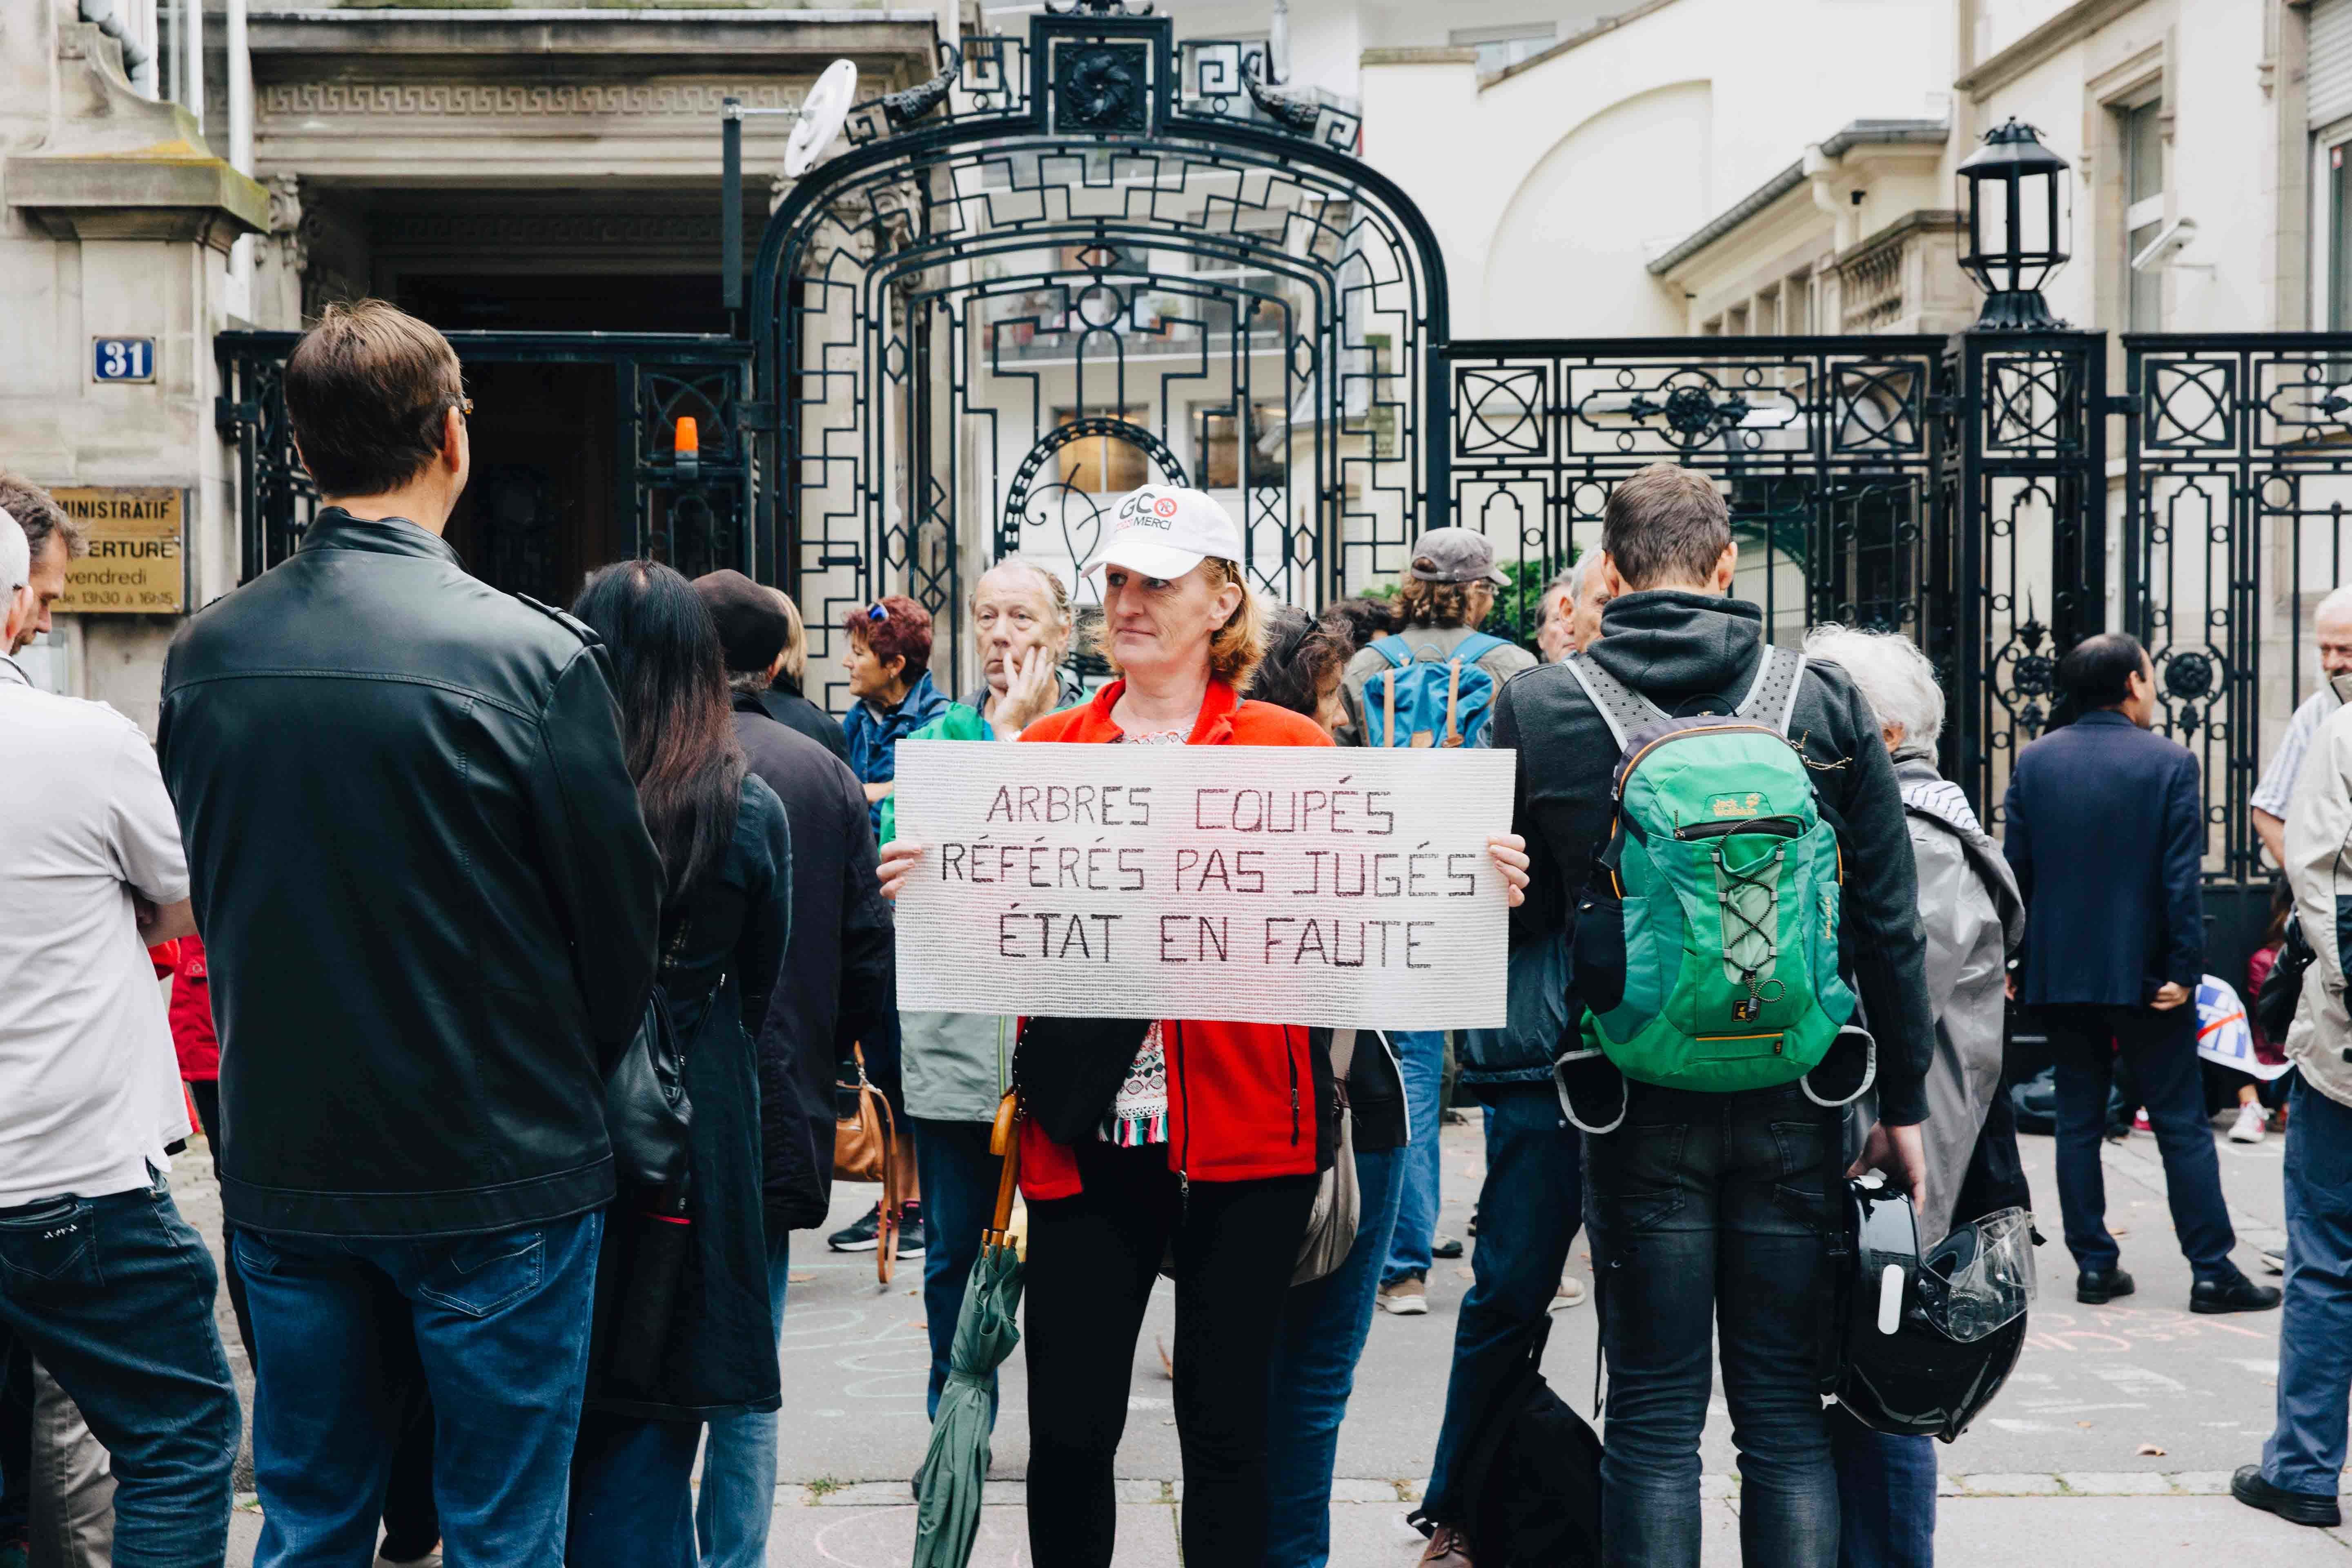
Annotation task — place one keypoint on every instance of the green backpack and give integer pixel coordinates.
(1707, 945)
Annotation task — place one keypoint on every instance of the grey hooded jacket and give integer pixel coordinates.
(2319, 870)
(1973, 918)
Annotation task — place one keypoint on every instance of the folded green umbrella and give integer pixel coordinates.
(948, 1487)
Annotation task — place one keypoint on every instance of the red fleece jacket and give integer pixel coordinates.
(1241, 1097)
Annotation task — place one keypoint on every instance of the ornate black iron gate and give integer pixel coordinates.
(1074, 263)
(691, 510)
(1949, 489)
(2237, 477)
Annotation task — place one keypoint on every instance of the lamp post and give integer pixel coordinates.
(2019, 200)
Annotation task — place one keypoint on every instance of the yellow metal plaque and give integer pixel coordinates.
(137, 562)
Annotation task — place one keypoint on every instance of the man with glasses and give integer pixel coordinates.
(428, 902)
(2331, 627)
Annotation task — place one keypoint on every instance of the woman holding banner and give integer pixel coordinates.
(956, 1066)
(1208, 1150)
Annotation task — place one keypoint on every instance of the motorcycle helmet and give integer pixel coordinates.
(1926, 1340)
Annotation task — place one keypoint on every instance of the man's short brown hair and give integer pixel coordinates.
(1664, 524)
(366, 392)
(39, 516)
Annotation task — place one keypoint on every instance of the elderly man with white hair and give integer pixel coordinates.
(1569, 615)
(1970, 907)
(2331, 634)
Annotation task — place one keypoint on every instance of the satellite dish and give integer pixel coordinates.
(822, 116)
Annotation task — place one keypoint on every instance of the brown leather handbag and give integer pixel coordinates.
(864, 1141)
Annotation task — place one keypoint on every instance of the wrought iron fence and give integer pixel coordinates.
(692, 510)
(2237, 477)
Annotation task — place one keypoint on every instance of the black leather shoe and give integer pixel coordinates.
(2296, 1508)
(2096, 1287)
(2236, 1293)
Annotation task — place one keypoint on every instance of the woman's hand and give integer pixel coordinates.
(898, 858)
(1031, 690)
(1509, 853)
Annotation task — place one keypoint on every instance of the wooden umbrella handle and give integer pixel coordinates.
(1004, 1140)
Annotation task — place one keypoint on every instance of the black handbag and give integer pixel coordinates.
(2282, 991)
(1069, 1070)
(647, 1116)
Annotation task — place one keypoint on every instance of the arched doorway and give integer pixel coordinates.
(1077, 262)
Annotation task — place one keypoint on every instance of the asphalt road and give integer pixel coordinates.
(2110, 1444)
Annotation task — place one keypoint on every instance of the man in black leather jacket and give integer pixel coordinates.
(429, 902)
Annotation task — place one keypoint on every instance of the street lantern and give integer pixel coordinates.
(2019, 199)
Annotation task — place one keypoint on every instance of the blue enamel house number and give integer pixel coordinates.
(122, 359)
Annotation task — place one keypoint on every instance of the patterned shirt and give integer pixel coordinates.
(1138, 1112)
(2277, 791)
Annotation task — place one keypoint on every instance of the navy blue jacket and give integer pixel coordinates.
(2106, 833)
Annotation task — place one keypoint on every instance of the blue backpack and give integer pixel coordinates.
(1417, 703)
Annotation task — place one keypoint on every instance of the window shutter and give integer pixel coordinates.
(2329, 84)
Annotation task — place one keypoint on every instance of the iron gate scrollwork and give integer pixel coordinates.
(2239, 475)
(1097, 257)
(1944, 488)
(692, 510)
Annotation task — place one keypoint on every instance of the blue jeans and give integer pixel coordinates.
(738, 1464)
(1886, 1496)
(2159, 1049)
(1529, 1212)
(958, 1176)
(502, 1329)
(1421, 1059)
(114, 1296)
(1706, 1207)
(1324, 1324)
(632, 1482)
(2305, 1453)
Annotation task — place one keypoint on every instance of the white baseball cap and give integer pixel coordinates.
(1163, 531)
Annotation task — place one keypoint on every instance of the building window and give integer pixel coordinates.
(2143, 171)
(1499, 48)
(2339, 239)
(1105, 465)
(1222, 454)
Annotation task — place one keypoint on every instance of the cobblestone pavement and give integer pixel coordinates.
(2113, 1444)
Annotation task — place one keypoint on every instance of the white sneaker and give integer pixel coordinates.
(2251, 1123)
(1570, 1294)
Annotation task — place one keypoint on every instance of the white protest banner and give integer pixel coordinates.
(1256, 884)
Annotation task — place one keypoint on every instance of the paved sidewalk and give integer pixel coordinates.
(2062, 1461)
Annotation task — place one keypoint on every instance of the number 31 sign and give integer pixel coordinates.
(122, 359)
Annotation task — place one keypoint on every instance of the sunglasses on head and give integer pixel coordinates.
(876, 613)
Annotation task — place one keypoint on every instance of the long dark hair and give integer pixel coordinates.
(671, 680)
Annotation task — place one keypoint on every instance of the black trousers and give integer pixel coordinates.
(1092, 1260)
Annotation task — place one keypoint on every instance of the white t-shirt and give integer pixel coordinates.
(90, 1091)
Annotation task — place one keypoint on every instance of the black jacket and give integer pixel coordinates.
(722, 948)
(426, 892)
(840, 974)
(786, 706)
(2105, 830)
(1692, 653)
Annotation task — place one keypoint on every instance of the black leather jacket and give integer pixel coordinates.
(426, 892)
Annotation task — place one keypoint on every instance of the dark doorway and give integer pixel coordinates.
(565, 302)
(538, 515)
